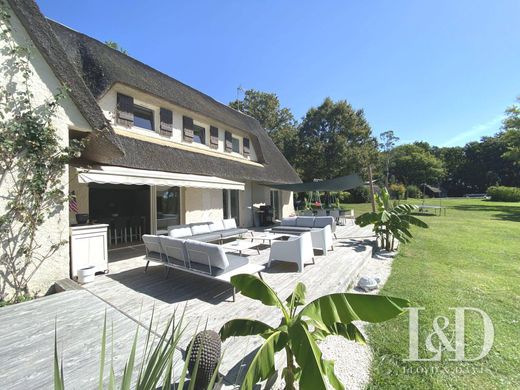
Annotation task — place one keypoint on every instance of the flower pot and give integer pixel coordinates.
(86, 275)
(81, 219)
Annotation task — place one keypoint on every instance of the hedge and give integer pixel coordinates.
(504, 194)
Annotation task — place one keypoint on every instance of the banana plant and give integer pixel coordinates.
(301, 327)
(390, 221)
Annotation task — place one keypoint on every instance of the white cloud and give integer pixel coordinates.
(476, 132)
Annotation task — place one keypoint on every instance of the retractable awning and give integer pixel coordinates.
(341, 183)
(121, 175)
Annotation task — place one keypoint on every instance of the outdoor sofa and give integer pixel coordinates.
(299, 225)
(197, 257)
(207, 231)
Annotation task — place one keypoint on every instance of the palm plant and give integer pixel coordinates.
(299, 331)
(156, 370)
(391, 221)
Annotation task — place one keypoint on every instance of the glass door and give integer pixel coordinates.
(275, 204)
(231, 204)
(168, 208)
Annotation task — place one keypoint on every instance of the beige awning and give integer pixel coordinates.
(121, 175)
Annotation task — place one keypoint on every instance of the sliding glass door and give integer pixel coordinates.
(168, 208)
(231, 204)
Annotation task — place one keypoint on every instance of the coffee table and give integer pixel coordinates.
(241, 245)
(267, 236)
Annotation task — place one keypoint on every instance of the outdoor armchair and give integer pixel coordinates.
(322, 239)
(295, 250)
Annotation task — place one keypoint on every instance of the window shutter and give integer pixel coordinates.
(213, 137)
(229, 141)
(245, 148)
(125, 110)
(166, 126)
(187, 125)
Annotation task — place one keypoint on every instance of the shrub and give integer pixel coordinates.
(360, 195)
(344, 197)
(412, 191)
(504, 194)
(397, 191)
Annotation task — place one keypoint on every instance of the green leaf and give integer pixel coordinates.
(59, 383)
(103, 352)
(262, 366)
(297, 298)
(255, 288)
(129, 367)
(308, 356)
(345, 308)
(348, 331)
(243, 327)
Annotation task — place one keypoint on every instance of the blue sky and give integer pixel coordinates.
(439, 71)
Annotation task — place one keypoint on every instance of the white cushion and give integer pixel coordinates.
(179, 232)
(230, 223)
(216, 226)
(200, 229)
(201, 252)
(305, 222)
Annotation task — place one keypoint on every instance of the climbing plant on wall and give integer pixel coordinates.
(32, 166)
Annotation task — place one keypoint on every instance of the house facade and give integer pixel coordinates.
(158, 152)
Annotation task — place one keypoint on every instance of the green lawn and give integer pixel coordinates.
(471, 257)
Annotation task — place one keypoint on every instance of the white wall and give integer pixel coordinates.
(201, 204)
(108, 104)
(286, 199)
(44, 84)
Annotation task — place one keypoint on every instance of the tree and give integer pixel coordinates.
(388, 141)
(412, 164)
(511, 134)
(335, 140)
(299, 330)
(278, 121)
(115, 46)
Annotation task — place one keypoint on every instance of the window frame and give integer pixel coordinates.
(142, 109)
(235, 141)
(197, 128)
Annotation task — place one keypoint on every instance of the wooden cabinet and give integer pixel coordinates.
(88, 247)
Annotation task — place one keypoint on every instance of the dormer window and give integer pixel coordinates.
(199, 134)
(236, 144)
(143, 118)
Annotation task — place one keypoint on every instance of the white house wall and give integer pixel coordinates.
(108, 104)
(201, 204)
(43, 85)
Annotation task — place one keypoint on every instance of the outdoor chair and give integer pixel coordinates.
(321, 213)
(295, 250)
(322, 239)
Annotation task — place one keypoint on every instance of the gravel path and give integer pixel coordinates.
(352, 360)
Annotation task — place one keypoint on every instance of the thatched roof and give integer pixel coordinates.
(90, 68)
(101, 67)
(45, 40)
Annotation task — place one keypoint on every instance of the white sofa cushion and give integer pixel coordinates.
(200, 229)
(230, 223)
(173, 248)
(199, 252)
(305, 222)
(179, 232)
(216, 226)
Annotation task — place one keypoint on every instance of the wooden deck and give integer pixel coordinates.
(130, 296)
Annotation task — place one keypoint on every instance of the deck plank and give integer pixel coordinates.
(129, 297)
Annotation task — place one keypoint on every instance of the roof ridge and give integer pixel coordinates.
(119, 53)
